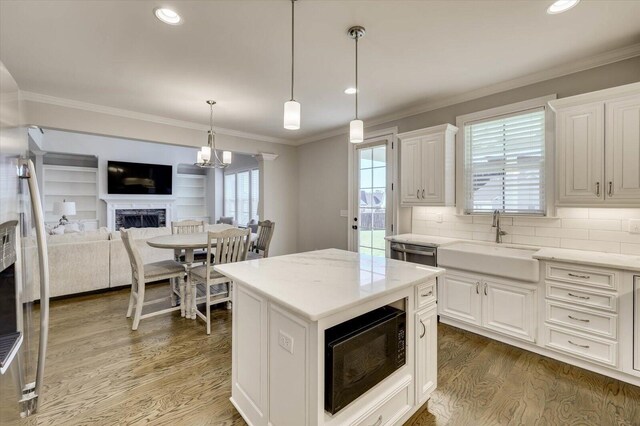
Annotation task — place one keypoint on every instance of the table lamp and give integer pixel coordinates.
(64, 208)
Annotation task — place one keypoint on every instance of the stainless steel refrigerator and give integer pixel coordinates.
(23, 319)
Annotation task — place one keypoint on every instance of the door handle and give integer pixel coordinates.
(477, 287)
(610, 191)
(597, 189)
(424, 329)
(27, 171)
(485, 289)
(423, 193)
(418, 193)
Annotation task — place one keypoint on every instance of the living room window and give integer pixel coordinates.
(504, 160)
(241, 195)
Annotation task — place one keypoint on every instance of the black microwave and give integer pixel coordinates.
(360, 353)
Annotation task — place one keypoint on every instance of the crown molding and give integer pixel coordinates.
(595, 61)
(101, 109)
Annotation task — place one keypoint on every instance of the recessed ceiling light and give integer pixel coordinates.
(560, 6)
(350, 90)
(167, 16)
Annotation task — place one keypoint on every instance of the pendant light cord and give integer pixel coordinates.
(293, 20)
(357, 77)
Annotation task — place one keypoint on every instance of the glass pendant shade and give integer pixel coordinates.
(206, 153)
(356, 131)
(199, 158)
(291, 115)
(227, 157)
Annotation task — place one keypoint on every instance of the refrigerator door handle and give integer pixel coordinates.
(26, 170)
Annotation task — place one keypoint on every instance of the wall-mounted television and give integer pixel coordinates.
(139, 178)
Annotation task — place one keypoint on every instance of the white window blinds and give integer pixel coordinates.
(504, 164)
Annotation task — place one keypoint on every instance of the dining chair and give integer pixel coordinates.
(230, 245)
(186, 227)
(260, 248)
(142, 273)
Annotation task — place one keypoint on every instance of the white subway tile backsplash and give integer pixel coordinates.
(614, 213)
(577, 234)
(573, 213)
(595, 229)
(604, 246)
(535, 241)
(547, 222)
(604, 224)
(626, 248)
(620, 236)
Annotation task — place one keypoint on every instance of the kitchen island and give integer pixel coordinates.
(283, 307)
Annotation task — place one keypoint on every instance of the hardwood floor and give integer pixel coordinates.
(99, 372)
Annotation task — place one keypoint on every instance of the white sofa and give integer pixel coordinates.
(78, 262)
(93, 260)
(88, 261)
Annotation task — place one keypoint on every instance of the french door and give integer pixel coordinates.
(373, 198)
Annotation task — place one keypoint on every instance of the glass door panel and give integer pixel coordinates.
(372, 199)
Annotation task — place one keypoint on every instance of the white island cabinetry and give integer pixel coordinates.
(282, 307)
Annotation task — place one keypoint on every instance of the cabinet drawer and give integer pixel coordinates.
(578, 274)
(582, 346)
(602, 324)
(425, 294)
(583, 297)
(392, 408)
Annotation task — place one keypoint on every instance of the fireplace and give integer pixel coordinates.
(140, 218)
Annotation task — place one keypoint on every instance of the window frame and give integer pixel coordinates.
(251, 171)
(498, 112)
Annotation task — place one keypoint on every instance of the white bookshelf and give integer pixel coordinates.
(77, 184)
(191, 197)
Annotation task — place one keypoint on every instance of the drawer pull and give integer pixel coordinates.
(378, 422)
(580, 346)
(579, 297)
(586, 277)
(579, 319)
(427, 294)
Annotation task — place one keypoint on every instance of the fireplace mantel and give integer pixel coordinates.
(118, 202)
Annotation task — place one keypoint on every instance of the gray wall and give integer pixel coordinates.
(322, 165)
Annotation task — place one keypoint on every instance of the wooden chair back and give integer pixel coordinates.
(228, 246)
(265, 234)
(187, 227)
(137, 266)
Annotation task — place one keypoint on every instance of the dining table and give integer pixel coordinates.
(188, 243)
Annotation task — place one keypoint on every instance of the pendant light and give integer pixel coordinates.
(291, 107)
(204, 157)
(356, 127)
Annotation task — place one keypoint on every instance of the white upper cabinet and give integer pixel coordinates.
(598, 148)
(623, 149)
(580, 154)
(427, 166)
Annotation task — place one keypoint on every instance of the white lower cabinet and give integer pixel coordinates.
(500, 306)
(636, 323)
(509, 309)
(426, 329)
(459, 298)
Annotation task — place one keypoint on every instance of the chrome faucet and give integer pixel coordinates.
(496, 224)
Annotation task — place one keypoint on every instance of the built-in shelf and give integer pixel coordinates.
(191, 197)
(77, 184)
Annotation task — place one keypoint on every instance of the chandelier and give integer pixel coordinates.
(208, 155)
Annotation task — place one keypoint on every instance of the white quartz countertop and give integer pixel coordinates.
(593, 258)
(422, 239)
(320, 283)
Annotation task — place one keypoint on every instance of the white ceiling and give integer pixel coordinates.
(117, 54)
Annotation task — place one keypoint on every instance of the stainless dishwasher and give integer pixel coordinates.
(424, 255)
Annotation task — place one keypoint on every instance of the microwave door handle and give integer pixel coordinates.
(27, 171)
